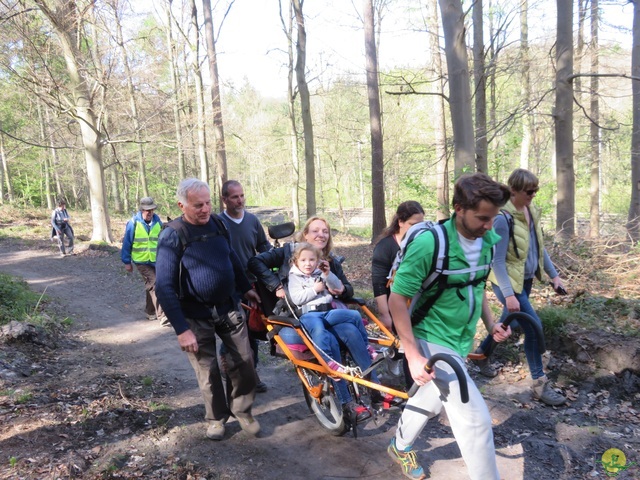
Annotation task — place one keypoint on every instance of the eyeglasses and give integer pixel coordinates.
(531, 192)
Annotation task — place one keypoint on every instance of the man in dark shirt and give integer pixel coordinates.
(247, 239)
(197, 274)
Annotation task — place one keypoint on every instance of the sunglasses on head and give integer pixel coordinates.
(531, 192)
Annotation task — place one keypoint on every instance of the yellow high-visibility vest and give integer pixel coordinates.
(145, 244)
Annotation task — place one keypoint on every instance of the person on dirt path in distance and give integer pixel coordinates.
(197, 277)
(247, 239)
(387, 246)
(139, 247)
(449, 327)
(519, 258)
(61, 227)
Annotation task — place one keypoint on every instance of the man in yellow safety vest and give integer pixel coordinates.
(139, 247)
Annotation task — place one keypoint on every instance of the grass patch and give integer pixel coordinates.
(616, 315)
(25, 397)
(17, 301)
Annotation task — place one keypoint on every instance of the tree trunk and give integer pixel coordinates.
(216, 105)
(440, 123)
(565, 220)
(287, 27)
(197, 74)
(375, 122)
(133, 103)
(65, 21)
(594, 224)
(633, 225)
(305, 106)
(459, 89)
(171, 45)
(479, 93)
(527, 119)
(5, 171)
(44, 139)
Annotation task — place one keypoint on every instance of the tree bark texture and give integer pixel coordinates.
(565, 208)
(633, 225)
(216, 104)
(594, 193)
(305, 107)
(375, 122)
(440, 121)
(459, 88)
(197, 73)
(64, 21)
(175, 94)
(480, 84)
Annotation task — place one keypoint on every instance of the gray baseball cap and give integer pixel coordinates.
(147, 203)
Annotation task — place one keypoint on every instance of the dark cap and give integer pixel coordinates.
(147, 203)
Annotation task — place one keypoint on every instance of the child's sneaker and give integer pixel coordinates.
(373, 353)
(336, 367)
(407, 459)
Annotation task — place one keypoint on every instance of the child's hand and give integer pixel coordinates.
(318, 285)
(323, 265)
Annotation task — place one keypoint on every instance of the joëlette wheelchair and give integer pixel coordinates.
(315, 374)
(310, 365)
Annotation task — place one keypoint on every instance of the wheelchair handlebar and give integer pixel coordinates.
(462, 378)
(529, 320)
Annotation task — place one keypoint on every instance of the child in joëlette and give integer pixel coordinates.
(309, 282)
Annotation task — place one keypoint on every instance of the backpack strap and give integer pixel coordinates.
(182, 230)
(439, 264)
(509, 218)
(438, 277)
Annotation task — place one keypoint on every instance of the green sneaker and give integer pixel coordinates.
(406, 458)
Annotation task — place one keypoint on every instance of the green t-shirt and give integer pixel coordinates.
(452, 320)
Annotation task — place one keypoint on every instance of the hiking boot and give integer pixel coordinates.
(485, 367)
(261, 387)
(164, 321)
(543, 391)
(385, 400)
(249, 425)
(357, 411)
(215, 431)
(407, 459)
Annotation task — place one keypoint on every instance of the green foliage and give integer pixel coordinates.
(13, 461)
(554, 320)
(615, 315)
(16, 299)
(147, 381)
(158, 407)
(24, 398)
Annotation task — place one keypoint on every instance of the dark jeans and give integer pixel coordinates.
(68, 232)
(534, 358)
(240, 372)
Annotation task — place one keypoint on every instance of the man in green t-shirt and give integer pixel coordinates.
(449, 327)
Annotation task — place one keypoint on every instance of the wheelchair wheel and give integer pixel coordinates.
(327, 408)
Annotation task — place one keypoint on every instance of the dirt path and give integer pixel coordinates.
(113, 342)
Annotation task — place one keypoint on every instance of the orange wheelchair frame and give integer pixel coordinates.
(315, 375)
